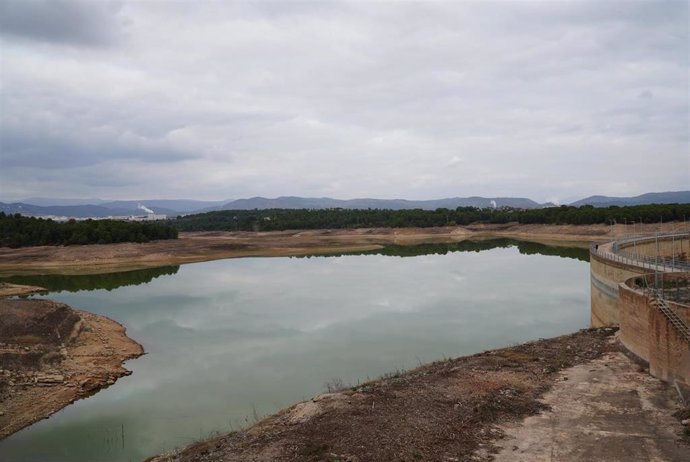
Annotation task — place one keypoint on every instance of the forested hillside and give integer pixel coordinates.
(281, 219)
(20, 231)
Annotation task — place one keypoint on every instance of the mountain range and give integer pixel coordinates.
(670, 197)
(291, 202)
(98, 208)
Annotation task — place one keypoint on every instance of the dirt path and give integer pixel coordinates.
(453, 410)
(51, 356)
(195, 247)
(602, 410)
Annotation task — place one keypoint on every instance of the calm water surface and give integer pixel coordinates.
(233, 338)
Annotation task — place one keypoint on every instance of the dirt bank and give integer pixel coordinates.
(195, 247)
(52, 355)
(14, 290)
(454, 410)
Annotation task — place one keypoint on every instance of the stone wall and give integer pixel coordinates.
(634, 321)
(669, 352)
(669, 281)
(605, 275)
(644, 329)
(647, 333)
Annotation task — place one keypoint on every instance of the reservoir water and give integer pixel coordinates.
(230, 340)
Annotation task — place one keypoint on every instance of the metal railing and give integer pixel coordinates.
(657, 299)
(654, 263)
(671, 316)
(650, 263)
(658, 288)
(670, 288)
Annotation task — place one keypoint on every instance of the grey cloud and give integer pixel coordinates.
(76, 22)
(33, 148)
(646, 13)
(358, 99)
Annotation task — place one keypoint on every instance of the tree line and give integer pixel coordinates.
(20, 231)
(283, 219)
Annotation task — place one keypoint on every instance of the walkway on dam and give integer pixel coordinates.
(610, 408)
(652, 264)
(607, 409)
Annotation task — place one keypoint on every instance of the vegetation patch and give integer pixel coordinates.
(20, 231)
(285, 219)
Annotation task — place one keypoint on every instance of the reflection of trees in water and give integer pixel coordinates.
(526, 248)
(530, 248)
(108, 281)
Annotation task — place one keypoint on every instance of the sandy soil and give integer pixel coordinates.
(195, 247)
(51, 356)
(455, 410)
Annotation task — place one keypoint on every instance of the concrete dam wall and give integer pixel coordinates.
(642, 284)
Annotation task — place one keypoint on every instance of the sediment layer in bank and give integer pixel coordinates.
(52, 355)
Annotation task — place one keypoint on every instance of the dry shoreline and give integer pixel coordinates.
(470, 409)
(412, 418)
(205, 246)
(40, 373)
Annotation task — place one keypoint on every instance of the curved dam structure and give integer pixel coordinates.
(642, 284)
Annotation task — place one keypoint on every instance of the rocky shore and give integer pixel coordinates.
(52, 355)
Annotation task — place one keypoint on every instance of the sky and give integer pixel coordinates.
(551, 100)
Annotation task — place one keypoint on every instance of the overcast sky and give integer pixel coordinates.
(216, 100)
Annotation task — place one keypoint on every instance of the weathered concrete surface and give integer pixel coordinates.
(602, 410)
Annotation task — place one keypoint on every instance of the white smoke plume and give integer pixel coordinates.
(145, 209)
(493, 204)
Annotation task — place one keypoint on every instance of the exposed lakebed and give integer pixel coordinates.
(230, 340)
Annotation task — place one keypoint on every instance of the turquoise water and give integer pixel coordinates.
(231, 339)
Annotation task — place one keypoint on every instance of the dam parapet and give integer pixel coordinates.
(642, 283)
(664, 253)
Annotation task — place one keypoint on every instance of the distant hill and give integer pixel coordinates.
(292, 202)
(76, 211)
(50, 201)
(167, 206)
(98, 208)
(671, 197)
(79, 211)
(172, 208)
